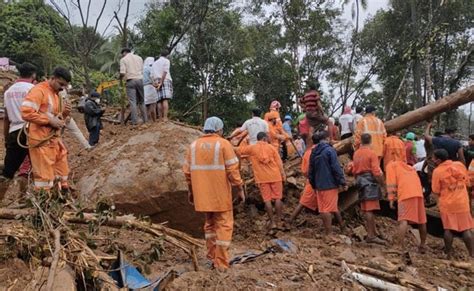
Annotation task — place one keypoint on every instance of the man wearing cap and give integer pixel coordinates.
(372, 125)
(131, 70)
(212, 169)
(92, 114)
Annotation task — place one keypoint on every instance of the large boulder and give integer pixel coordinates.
(140, 169)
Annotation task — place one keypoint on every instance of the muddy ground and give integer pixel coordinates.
(281, 270)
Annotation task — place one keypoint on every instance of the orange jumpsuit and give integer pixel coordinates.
(211, 169)
(267, 169)
(471, 177)
(275, 130)
(308, 198)
(449, 182)
(366, 161)
(48, 155)
(403, 183)
(374, 126)
(394, 150)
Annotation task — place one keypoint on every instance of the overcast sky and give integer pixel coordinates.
(137, 10)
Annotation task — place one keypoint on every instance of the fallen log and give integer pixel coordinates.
(369, 281)
(54, 264)
(450, 102)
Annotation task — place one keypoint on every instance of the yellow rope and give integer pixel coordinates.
(41, 141)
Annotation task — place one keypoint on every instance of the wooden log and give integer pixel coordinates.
(426, 112)
(54, 264)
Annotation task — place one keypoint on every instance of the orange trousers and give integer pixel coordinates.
(49, 162)
(218, 233)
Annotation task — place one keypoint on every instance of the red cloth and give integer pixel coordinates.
(271, 191)
(310, 100)
(370, 205)
(412, 210)
(327, 200)
(303, 126)
(25, 167)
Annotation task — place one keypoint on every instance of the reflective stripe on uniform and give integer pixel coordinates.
(50, 104)
(217, 151)
(232, 161)
(209, 235)
(43, 184)
(224, 243)
(214, 166)
(30, 104)
(207, 167)
(379, 127)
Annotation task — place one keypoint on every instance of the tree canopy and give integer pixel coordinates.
(228, 57)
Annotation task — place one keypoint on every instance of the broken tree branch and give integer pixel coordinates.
(54, 264)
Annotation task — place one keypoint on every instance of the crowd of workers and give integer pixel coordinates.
(411, 172)
(36, 114)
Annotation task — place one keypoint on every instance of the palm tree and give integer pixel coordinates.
(355, 14)
(108, 56)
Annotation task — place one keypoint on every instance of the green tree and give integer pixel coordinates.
(28, 33)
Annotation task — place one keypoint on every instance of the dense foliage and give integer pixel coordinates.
(227, 57)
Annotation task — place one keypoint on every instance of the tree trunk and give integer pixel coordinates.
(416, 61)
(447, 103)
(429, 83)
(351, 59)
(87, 77)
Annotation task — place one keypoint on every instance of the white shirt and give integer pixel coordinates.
(13, 98)
(418, 166)
(420, 149)
(345, 120)
(159, 67)
(357, 118)
(131, 66)
(253, 127)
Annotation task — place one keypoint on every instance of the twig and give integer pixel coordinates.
(54, 264)
(302, 266)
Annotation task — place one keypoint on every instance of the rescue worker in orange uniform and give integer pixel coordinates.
(308, 198)
(393, 150)
(274, 108)
(449, 185)
(374, 126)
(269, 176)
(403, 185)
(212, 169)
(45, 112)
(471, 180)
(277, 134)
(369, 179)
